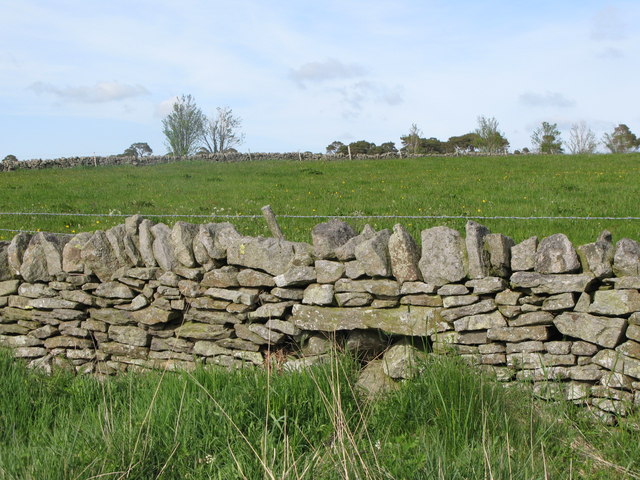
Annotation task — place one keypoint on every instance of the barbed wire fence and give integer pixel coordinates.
(315, 216)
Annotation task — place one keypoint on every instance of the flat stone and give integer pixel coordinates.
(485, 306)
(36, 290)
(508, 297)
(270, 310)
(271, 255)
(242, 331)
(584, 348)
(617, 362)
(354, 269)
(318, 294)
(443, 256)
(552, 284)
(272, 336)
(296, 276)
(238, 344)
(288, 293)
(518, 334)
(16, 341)
(235, 296)
(626, 258)
(604, 331)
(562, 301)
(422, 300)
(142, 273)
(530, 346)
(254, 278)
(350, 299)
(129, 335)
(483, 286)
(531, 318)
(523, 255)
(202, 331)
(282, 326)
(51, 303)
(124, 350)
(9, 287)
(207, 303)
(67, 342)
(480, 322)
(223, 277)
(411, 288)
(328, 271)
(459, 300)
(416, 321)
(630, 349)
(114, 290)
(171, 344)
(615, 302)
(212, 317)
(382, 287)
(453, 290)
(404, 255)
(153, 316)
(633, 332)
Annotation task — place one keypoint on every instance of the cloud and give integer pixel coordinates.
(609, 24)
(610, 53)
(99, 93)
(164, 108)
(356, 95)
(330, 69)
(549, 99)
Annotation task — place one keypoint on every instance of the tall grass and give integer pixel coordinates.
(546, 185)
(450, 422)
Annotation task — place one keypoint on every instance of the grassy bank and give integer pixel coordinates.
(449, 423)
(596, 185)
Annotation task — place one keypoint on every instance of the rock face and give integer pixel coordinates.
(99, 257)
(443, 260)
(603, 331)
(42, 259)
(556, 254)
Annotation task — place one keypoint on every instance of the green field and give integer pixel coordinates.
(564, 185)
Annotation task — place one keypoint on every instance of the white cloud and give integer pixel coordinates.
(164, 108)
(548, 99)
(98, 93)
(330, 69)
(609, 24)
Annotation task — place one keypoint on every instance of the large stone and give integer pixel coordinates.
(72, 253)
(116, 236)
(162, 248)
(626, 259)
(129, 335)
(374, 382)
(67, 342)
(202, 331)
(328, 271)
(552, 284)
(52, 303)
(477, 255)
(485, 306)
(327, 237)
(270, 310)
(498, 248)
(234, 296)
(373, 255)
(204, 247)
(615, 302)
(597, 257)
(224, 277)
(296, 276)
(213, 317)
(9, 287)
(5, 271)
(318, 294)
(182, 237)
(42, 259)
(254, 278)
(271, 255)
(402, 360)
(404, 255)
(404, 320)
(617, 362)
(15, 251)
(114, 290)
(480, 322)
(607, 332)
(523, 255)
(556, 254)
(443, 260)
(347, 251)
(145, 237)
(98, 255)
(381, 287)
(518, 334)
(351, 299)
(154, 316)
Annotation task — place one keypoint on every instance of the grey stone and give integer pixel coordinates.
(508, 297)
(453, 290)
(153, 316)
(558, 347)
(202, 331)
(29, 352)
(552, 284)
(386, 303)
(116, 236)
(531, 318)
(163, 250)
(213, 317)
(72, 253)
(556, 254)
(561, 301)
(518, 334)
(402, 360)
(318, 294)
(480, 322)
(617, 362)
(597, 257)
(328, 271)
(425, 300)
(327, 237)
(354, 269)
(485, 306)
(529, 346)
(381, 287)
(114, 290)
(272, 336)
(633, 332)
(523, 255)
(404, 255)
(23, 340)
(15, 251)
(169, 279)
(443, 260)
(626, 259)
(373, 382)
(145, 237)
(373, 255)
(270, 310)
(234, 296)
(223, 277)
(586, 373)
(129, 335)
(351, 299)
(182, 237)
(98, 255)
(487, 285)
(499, 247)
(9, 287)
(583, 348)
(630, 349)
(282, 326)
(288, 293)
(615, 302)
(410, 288)
(5, 271)
(459, 300)
(189, 288)
(42, 259)
(413, 321)
(366, 343)
(36, 290)
(51, 303)
(296, 276)
(347, 251)
(254, 278)
(271, 255)
(67, 342)
(607, 332)
(478, 257)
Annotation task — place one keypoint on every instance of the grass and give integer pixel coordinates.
(564, 185)
(449, 423)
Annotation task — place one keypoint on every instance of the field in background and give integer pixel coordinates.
(594, 185)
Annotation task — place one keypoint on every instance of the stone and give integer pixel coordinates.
(630, 349)
(271, 255)
(354, 269)
(189, 288)
(529, 346)
(129, 335)
(617, 362)
(234, 296)
(29, 352)
(633, 332)
(350, 299)
(202, 331)
(23, 340)
(485, 306)
(523, 255)
(296, 276)
(114, 290)
(207, 303)
(212, 240)
(597, 257)
(288, 293)
(223, 277)
(453, 290)
(213, 317)
(443, 260)
(254, 278)
(182, 237)
(404, 255)
(604, 331)
(98, 256)
(562, 301)
(328, 271)
(487, 285)
(373, 255)
(51, 303)
(154, 316)
(490, 348)
(327, 237)
(423, 300)
(552, 284)
(556, 254)
(402, 360)
(373, 382)
(272, 336)
(508, 297)
(15, 251)
(36, 290)
(480, 322)
(163, 251)
(67, 342)
(586, 373)
(5, 270)
(270, 310)
(318, 294)
(458, 300)
(518, 334)
(615, 302)
(411, 288)
(412, 321)
(531, 318)
(42, 259)
(626, 258)
(145, 237)
(584, 348)
(381, 287)
(115, 236)
(9, 287)
(558, 347)
(347, 251)
(498, 247)
(366, 343)
(478, 257)
(282, 326)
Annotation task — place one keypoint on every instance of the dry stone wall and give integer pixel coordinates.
(144, 295)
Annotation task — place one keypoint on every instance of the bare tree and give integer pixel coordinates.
(222, 132)
(581, 139)
(489, 138)
(411, 141)
(184, 127)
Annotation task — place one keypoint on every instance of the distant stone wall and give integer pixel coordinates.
(143, 295)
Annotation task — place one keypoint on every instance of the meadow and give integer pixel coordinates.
(476, 187)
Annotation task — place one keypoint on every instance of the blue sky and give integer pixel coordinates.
(85, 77)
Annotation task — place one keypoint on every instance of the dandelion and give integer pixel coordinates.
(66, 226)
(97, 221)
(73, 231)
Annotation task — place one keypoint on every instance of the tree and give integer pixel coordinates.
(546, 138)
(387, 147)
(411, 141)
(10, 159)
(621, 140)
(432, 146)
(184, 127)
(334, 147)
(138, 150)
(489, 139)
(463, 143)
(222, 132)
(581, 139)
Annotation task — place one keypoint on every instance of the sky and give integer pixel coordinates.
(90, 77)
